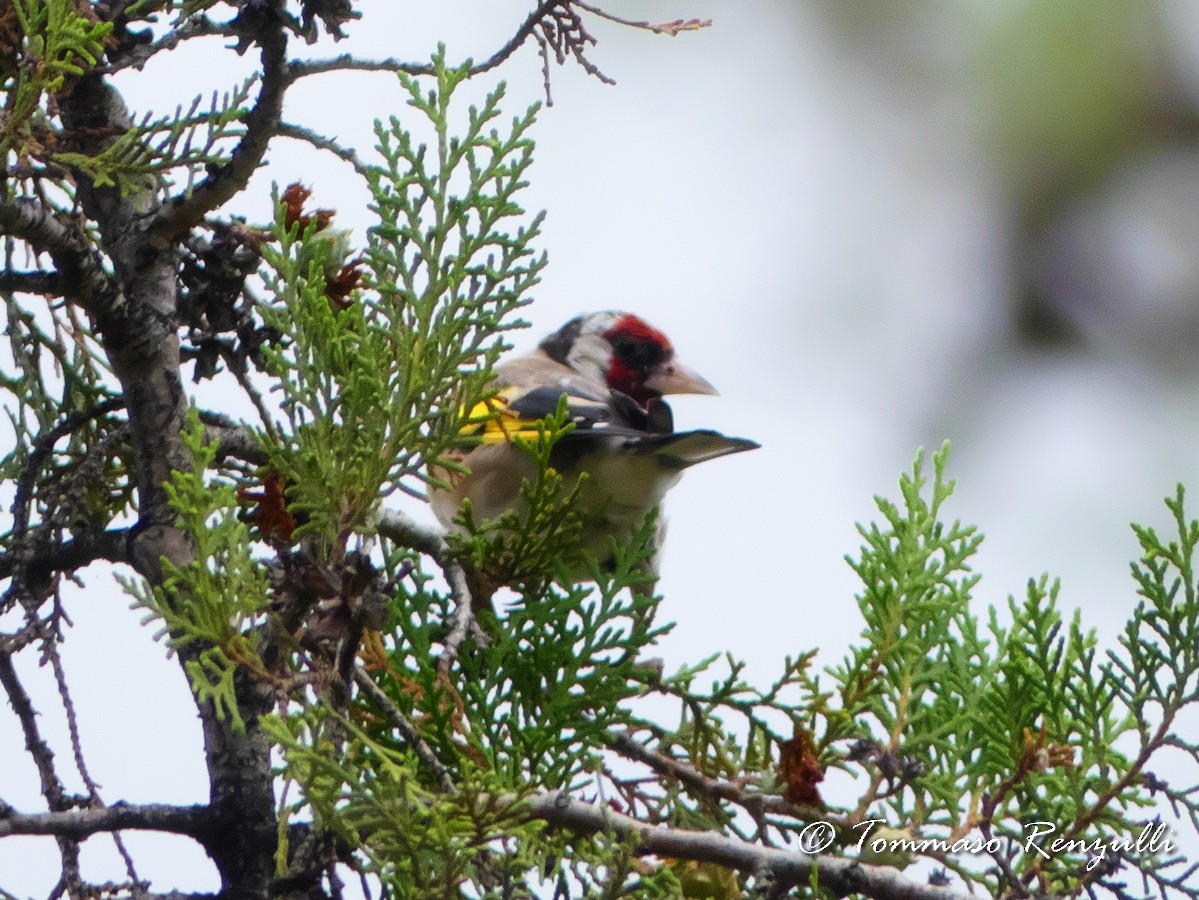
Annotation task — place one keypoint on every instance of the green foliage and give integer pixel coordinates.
(375, 390)
(59, 43)
(540, 541)
(422, 843)
(53, 379)
(944, 726)
(213, 605)
(530, 709)
(418, 842)
(955, 731)
(194, 140)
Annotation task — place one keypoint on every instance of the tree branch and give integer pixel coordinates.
(81, 551)
(43, 758)
(784, 868)
(236, 440)
(189, 209)
(349, 63)
(406, 730)
(320, 142)
(82, 277)
(401, 529)
(77, 824)
(138, 55)
(407, 532)
(710, 789)
(526, 30)
(43, 283)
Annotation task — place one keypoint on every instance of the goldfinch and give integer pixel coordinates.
(613, 368)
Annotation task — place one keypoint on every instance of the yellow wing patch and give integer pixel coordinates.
(495, 422)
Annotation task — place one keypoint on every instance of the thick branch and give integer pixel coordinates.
(77, 824)
(235, 440)
(66, 556)
(81, 276)
(782, 867)
(407, 532)
(141, 341)
(397, 527)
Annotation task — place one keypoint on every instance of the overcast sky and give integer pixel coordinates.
(813, 213)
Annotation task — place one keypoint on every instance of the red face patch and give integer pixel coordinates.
(637, 348)
(636, 329)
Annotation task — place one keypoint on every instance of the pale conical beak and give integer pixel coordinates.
(675, 377)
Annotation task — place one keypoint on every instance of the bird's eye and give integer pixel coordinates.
(636, 354)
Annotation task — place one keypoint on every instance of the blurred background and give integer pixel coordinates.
(874, 227)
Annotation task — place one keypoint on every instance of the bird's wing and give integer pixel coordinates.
(531, 387)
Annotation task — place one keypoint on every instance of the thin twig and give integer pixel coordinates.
(406, 532)
(320, 142)
(347, 63)
(50, 650)
(298, 69)
(408, 732)
(139, 55)
(670, 28)
(43, 759)
(710, 789)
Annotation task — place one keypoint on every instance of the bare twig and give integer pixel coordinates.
(197, 27)
(43, 759)
(710, 789)
(407, 731)
(308, 136)
(348, 63)
(669, 28)
(528, 28)
(50, 651)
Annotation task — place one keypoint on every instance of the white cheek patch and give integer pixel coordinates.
(590, 356)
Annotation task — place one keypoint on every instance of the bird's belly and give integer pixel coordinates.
(625, 489)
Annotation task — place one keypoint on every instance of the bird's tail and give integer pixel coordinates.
(684, 449)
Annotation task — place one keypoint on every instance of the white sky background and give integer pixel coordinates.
(812, 213)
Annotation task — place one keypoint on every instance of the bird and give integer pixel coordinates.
(613, 368)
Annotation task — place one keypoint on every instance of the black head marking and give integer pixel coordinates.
(557, 345)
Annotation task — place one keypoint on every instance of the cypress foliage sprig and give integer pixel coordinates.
(374, 389)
